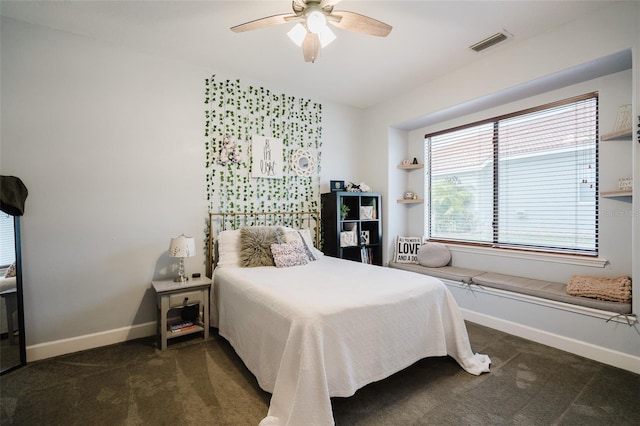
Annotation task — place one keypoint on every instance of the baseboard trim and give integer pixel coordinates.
(89, 341)
(587, 350)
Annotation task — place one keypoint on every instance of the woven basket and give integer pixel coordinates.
(612, 289)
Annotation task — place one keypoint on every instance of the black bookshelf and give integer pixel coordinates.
(362, 225)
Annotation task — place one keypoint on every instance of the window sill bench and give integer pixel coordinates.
(538, 289)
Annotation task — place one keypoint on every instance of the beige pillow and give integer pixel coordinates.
(434, 255)
(255, 245)
(612, 289)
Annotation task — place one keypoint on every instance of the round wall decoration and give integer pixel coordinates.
(303, 162)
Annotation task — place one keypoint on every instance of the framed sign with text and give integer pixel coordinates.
(266, 157)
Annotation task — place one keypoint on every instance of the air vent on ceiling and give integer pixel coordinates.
(489, 41)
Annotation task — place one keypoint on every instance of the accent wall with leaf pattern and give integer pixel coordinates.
(234, 115)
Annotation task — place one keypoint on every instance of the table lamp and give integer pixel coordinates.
(182, 247)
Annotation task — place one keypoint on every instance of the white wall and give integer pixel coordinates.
(499, 71)
(340, 154)
(110, 144)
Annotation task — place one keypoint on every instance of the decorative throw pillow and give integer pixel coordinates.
(407, 249)
(11, 271)
(303, 237)
(255, 245)
(289, 254)
(434, 255)
(613, 289)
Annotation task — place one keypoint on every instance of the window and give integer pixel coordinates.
(526, 180)
(7, 248)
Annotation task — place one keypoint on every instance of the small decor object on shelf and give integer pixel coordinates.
(366, 213)
(337, 185)
(406, 162)
(409, 195)
(182, 247)
(364, 238)
(623, 119)
(361, 187)
(625, 184)
(344, 211)
(366, 255)
(348, 238)
(415, 160)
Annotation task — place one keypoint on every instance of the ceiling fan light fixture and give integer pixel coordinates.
(316, 22)
(326, 36)
(297, 34)
(311, 31)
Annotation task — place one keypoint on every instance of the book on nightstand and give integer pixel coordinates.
(181, 326)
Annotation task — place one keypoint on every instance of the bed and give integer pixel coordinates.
(327, 327)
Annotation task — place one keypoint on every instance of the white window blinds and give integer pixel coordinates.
(527, 180)
(7, 242)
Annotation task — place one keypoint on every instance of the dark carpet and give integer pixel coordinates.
(196, 382)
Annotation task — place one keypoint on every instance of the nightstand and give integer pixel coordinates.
(172, 298)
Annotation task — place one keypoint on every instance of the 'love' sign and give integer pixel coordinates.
(407, 249)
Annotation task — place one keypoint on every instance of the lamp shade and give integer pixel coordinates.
(297, 34)
(182, 247)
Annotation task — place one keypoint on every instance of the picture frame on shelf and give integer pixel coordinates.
(366, 212)
(337, 185)
(348, 238)
(364, 238)
(623, 118)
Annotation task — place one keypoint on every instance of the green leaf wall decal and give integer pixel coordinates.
(233, 115)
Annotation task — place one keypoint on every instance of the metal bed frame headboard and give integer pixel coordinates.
(234, 220)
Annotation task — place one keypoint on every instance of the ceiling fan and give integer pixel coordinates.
(311, 31)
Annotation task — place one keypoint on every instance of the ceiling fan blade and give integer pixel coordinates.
(269, 21)
(352, 21)
(311, 47)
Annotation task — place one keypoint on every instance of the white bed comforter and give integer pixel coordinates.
(328, 328)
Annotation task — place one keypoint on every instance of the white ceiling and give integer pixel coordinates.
(429, 38)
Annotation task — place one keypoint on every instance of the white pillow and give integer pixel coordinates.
(304, 237)
(434, 255)
(229, 248)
